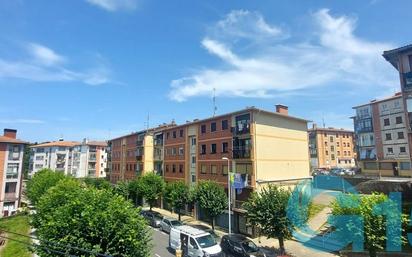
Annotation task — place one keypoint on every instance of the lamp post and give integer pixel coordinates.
(228, 192)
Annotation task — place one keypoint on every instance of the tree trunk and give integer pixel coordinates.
(178, 213)
(372, 252)
(150, 205)
(281, 246)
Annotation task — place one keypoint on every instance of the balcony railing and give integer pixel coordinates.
(158, 142)
(10, 196)
(139, 142)
(12, 175)
(242, 152)
(238, 204)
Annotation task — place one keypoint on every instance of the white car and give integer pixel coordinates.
(168, 223)
(194, 242)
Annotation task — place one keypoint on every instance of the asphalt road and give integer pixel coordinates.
(160, 244)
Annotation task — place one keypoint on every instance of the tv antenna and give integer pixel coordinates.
(214, 102)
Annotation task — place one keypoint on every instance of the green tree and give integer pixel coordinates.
(133, 191)
(177, 195)
(99, 221)
(122, 188)
(212, 198)
(26, 161)
(374, 225)
(41, 182)
(150, 186)
(267, 210)
(99, 183)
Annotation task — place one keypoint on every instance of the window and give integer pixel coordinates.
(174, 134)
(203, 169)
(401, 135)
(348, 144)
(39, 158)
(213, 148)
(326, 143)
(14, 152)
(337, 144)
(61, 148)
(181, 133)
(174, 168)
(193, 161)
(225, 146)
(388, 136)
(203, 149)
(167, 168)
(203, 129)
(348, 153)
(399, 120)
(10, 187)
(167, 135)
(327, 153)
(338, 153)
(213, 169)
(224, 170)
(12, 170)
(225, 124)
(332, 148)
(213, 127)
(386, 122)
(405, 165)
(181, 151)
(344, 153)
(402, 149)
(193, 141)
(331, 139)
(390, 150)
(332, 156)
(180, 168)
(344, 144)
(173, 151)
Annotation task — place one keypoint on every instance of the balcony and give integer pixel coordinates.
(238, 204)
(12, 175)
(10, 196)
(92, 157)
(158, 142)
(407, 79)
(241, 152)
(139, 143)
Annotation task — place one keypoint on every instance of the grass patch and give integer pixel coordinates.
(18, 224)
(315, 208)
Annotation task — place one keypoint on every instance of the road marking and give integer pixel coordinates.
(157, 255)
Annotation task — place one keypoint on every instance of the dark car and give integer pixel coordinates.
(154, 218)
(239, 246)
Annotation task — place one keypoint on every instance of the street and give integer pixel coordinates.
(160, 244)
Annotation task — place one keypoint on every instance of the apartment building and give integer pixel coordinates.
(331, 148)
(382, 137)
(89, 159)
(86, 159)
(263, 146)
(11, 166)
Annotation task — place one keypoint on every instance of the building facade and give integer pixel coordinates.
(331, 148)
(86, 159)
(382, 137)
(11, 166)
(264, 147)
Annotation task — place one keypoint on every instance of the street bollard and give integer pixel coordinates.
(178, 253)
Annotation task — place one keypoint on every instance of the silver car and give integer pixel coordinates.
(168, 223)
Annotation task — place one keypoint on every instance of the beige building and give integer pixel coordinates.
(331, 148)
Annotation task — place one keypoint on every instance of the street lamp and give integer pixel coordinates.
(228, 191)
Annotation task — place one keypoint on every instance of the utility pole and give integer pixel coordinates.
(229, 192)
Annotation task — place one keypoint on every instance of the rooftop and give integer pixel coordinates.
(4, 139)
(374, 101)
(97, 143)
(330, 129)
(392, 55)
(57, 143)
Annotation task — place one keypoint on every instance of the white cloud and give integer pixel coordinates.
(115, 5)
(335, 55)
(45, 65)
(44, 55)
(23, 121)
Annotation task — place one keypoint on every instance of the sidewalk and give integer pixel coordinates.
(270, 246)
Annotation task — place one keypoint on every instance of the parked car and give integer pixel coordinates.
(337, 172)
(168, 223)
(240, 246)
(193, 242)
(349, 172)
(154, 218)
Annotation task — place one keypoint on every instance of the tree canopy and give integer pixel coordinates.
(267, 210)
(177, 195)
(98, 221)
(212, 198)
(150, 186)
(41, 182)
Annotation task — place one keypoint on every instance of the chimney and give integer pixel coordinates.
(282, 109)
(10, 133)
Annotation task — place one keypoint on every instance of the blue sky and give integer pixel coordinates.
(98, 68)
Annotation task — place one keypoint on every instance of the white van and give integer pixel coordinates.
(194, 242)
